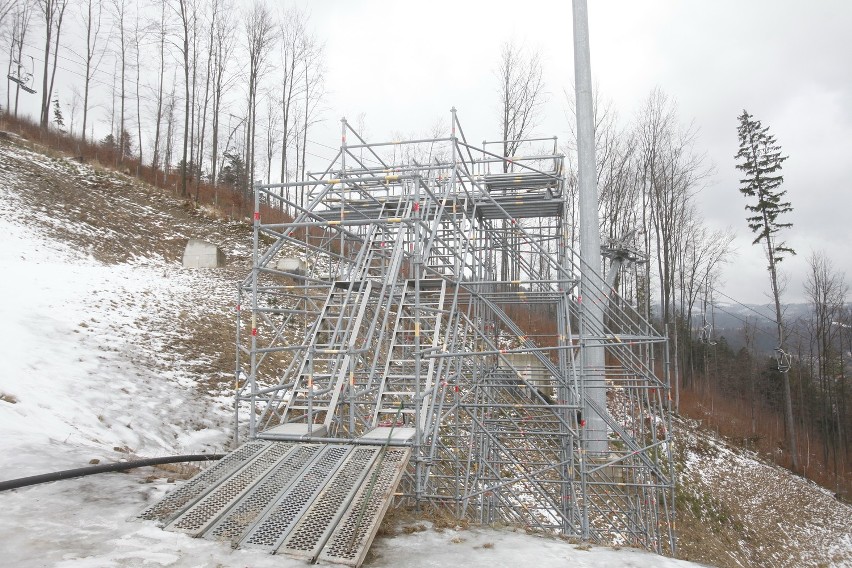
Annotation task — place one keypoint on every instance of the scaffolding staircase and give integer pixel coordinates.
(325, 359)
(329, 355)
(408, 377)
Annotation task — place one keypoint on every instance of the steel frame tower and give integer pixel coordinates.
(422, 297)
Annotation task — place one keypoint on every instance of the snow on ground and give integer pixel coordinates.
(83, 359)
(89, 372)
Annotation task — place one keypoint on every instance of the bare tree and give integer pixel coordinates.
(827, 292)
(158, 116)
(223, 46)
(749, 331)
(670, 174)
(119, 12)
(521, 90)
(520, 87)
(273, 133)
(76, 103)
(314, 89)
(91, 14)
(186, 12)
(53, 12)
(138, 37)
(214, 16)
(6, 7)
(194, 165)
(170, 128)
(700, 258)
(259, 39)
(293, 45)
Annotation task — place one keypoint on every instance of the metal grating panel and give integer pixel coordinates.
(278, 521)
(355, 532)
(248, 511)
(209, 508)
(312, 531)
(174, 502)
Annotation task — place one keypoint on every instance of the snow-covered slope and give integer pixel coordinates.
(110, 349)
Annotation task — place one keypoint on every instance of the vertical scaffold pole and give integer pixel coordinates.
(237, 368)
(255, 273)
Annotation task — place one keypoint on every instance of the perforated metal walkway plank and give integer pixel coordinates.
(184, 496)
(355, 532)
(307, 500)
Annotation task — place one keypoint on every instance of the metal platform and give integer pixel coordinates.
(310, 501)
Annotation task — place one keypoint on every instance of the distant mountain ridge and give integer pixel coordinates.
(728, 321)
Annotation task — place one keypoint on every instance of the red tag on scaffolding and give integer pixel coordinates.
(257, 215)
(254, 331)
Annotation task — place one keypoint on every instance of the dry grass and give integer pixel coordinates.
(411, 529)
(176, 470)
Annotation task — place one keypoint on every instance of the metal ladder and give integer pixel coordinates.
(397, 395)
(328, 353)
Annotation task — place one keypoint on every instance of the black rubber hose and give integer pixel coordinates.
(92, 470)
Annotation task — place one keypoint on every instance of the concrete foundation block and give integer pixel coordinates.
(201, 254)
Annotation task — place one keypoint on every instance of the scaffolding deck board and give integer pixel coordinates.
(306, 500)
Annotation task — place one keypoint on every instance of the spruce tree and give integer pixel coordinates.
(58, 118)
(761, 160)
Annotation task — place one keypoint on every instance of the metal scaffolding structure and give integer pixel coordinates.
(425, 294)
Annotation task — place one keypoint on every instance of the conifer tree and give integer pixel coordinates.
(761, 160)
(58, 118)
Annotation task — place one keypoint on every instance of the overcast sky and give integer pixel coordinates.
(403, 65)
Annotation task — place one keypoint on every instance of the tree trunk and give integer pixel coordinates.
(788, 399)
